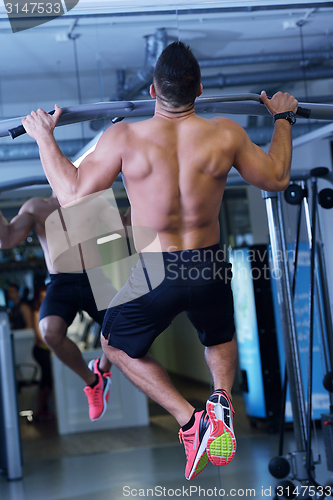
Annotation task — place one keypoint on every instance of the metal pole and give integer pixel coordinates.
(285, 301)
(321, 285)
(11, 429)
(311, 316)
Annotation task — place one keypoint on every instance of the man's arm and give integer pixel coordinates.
(270, 171)
(96, 172)
(18, 228)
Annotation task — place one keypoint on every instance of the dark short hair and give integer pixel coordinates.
(177, 75)
(13, 285)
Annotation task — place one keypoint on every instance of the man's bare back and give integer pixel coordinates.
(32, 216)
(178, 168)
(175, 170)
(82, 223)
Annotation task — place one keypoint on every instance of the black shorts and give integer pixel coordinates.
(195, 281)
(66, 295)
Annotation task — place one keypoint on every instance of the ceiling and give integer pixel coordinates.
(78, 56)
(38, 65)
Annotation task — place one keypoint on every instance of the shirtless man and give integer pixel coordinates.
(175, 167)
(67, 293)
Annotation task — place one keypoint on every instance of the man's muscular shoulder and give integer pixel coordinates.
(231, 130)
(117, 131)
(32, 206)
(39, 208)
(226, 123)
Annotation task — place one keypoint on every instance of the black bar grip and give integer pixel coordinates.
(15, 132)
(304, 112)
(20, 130)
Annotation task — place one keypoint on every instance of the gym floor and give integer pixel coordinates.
(145, 461)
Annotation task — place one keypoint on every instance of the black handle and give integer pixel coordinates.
(20, 130)
(304, 112)
(15, 132)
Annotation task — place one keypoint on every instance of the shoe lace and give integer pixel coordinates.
(94, 395)
(186, 440)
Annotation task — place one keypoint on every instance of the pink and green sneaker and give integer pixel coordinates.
(221, 445)
(98, 395)
(195, 441)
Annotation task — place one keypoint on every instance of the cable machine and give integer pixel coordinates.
(300, 464)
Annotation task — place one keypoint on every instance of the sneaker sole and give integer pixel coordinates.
(200, 463)
(105, 398)
(199, 467)
(221, 445)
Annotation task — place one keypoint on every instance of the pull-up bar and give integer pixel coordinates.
(244, 104)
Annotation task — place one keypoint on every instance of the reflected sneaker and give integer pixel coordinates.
(97, 397)
(221, 446)
(195, 441)
(93, 366)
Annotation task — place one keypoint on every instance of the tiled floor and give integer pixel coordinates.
(143, 462)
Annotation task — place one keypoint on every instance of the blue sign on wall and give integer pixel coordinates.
(247, 331)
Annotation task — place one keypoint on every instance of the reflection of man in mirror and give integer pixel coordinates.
(68, 292)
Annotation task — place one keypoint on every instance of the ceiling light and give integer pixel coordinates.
(289, 25)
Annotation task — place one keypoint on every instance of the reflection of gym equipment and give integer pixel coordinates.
(10, 448)
(26, 376)
(300, 463)
(91, 334)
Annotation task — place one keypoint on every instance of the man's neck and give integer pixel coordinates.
(168, 111)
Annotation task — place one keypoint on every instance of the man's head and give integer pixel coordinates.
(13, 292)
(177, 76)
